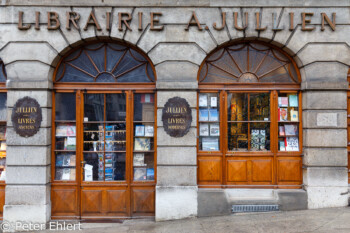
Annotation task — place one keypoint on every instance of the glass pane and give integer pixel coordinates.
(259, 136)
(260, 107)
(65, 166)
(288, 107)
(143, 166)
(65, 136)
(93, 167)
(93, 137)
(238, 136)
(116, 137)
(65, 106)
(144, 107)
(119, 165)
(237, 107)
(93, 107)
(115, 107)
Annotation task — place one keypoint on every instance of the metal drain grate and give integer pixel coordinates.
(253, 208)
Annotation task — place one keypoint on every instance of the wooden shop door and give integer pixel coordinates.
(109, 186)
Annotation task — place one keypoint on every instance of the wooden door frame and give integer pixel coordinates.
(78, 183)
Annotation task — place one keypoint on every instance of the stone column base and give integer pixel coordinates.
(19, 217)
(176, 202)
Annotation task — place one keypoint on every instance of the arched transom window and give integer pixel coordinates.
(105, 63)
(2, 72)
(248, 62)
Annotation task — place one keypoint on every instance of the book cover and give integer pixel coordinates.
(66, 160)
(203, 100)
(204, 129)
(213, 115)
(140, 130)
(66, 174)
(59, 160)
(139, 159)
(149, 131)
(291, 130)
(214, 130)
(293, 101)
(292, 144)
(282, 145)
(150, 173)
(282, 101)
(142, 144)
(140, 173)
(210, 144)
(281, 130)
(203, 115)
(294, 115)
(72, 174)
(283, 114)
(72, 160)
(58, 175)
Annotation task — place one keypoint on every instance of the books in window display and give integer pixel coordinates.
(213, 115)
(65, 160)
(282, 101)
(65, 174)
(203, 115)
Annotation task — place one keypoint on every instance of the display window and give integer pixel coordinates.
(249, 118)
(104, 137)
(3, 121)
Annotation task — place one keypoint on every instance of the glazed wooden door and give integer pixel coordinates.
(108, 185)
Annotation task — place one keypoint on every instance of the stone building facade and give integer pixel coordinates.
(32, 44)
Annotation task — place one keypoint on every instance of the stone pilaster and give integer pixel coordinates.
(325, 140)
(28, 160)
(176, 191)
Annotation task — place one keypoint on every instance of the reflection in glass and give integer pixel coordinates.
(144, 107)
(65, 166)
(237, 107)
(259, 106)
(115, 107)
(93, 107)
(65, 106)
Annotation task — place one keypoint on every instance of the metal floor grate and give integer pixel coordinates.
(253, 208)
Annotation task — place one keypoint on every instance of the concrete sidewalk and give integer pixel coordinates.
(322, 220)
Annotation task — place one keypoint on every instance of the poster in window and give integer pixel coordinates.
(213, 115)
(139, 130)
(203, 115)
(210, 144)
(214, 130)
(213, 101)
(204, 129)
(203, 100)
(283, 114)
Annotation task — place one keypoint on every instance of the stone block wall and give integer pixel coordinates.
(31, 55)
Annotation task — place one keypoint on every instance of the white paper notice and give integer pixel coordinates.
(88, 172)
